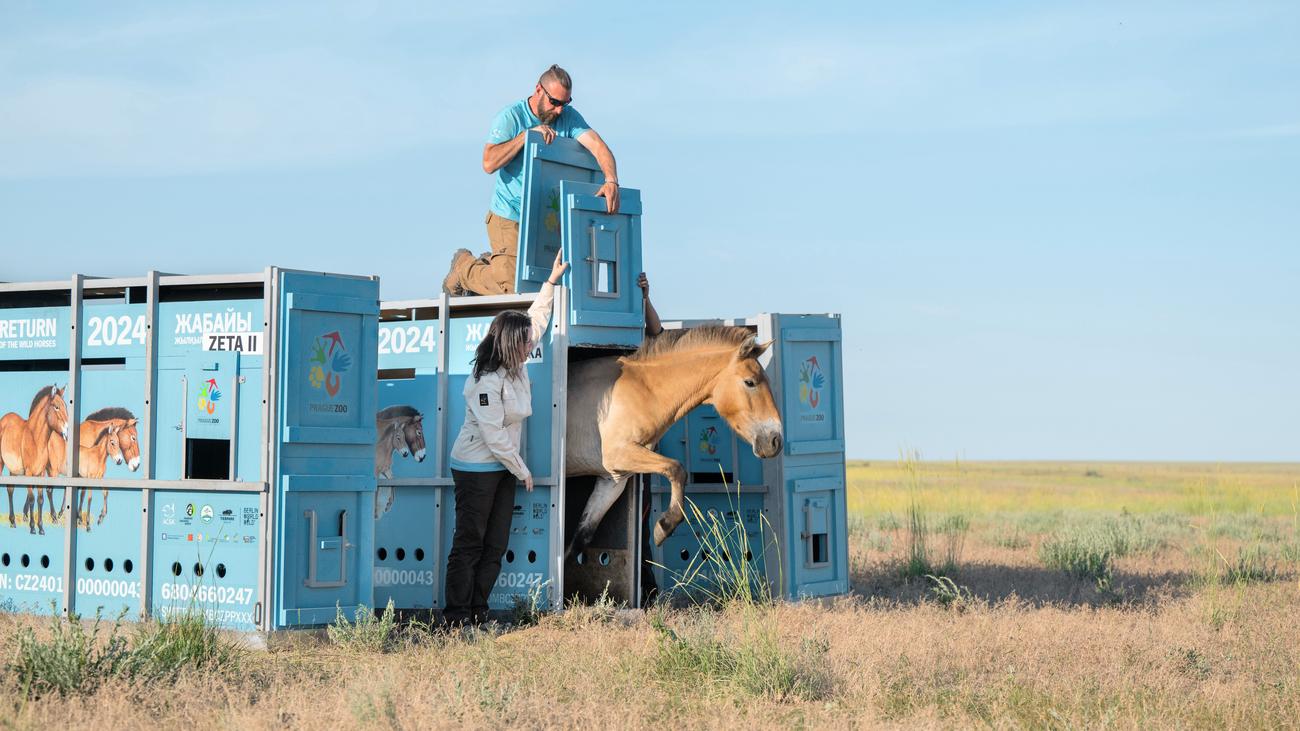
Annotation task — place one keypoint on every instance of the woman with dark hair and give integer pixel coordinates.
(486, 463)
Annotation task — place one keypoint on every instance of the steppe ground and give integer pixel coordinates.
(1005, 595)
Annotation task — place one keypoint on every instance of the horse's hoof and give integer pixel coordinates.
(661, 535)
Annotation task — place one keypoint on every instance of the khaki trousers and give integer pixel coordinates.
(494, 271)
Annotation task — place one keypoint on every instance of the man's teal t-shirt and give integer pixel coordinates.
(510, 178)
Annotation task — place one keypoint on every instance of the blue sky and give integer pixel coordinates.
(1053, 231)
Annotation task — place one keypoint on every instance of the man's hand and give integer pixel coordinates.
(548, 132)
(609, 191)
(644, 284)
(528, 483)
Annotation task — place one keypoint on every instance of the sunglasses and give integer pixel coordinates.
(555, 102)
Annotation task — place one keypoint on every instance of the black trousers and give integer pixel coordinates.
(484, 504)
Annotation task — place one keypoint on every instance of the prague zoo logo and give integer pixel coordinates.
(209, 395)
(709, 440)
(811, 382)
(329, 359)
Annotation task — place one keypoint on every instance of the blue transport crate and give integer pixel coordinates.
(560, 208)
(426, 349)
(802, 490)
(221, 431)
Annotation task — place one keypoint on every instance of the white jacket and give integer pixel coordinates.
(496, 406)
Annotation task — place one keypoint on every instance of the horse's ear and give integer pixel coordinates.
(752, 349)
(131, 422)
(419, 417)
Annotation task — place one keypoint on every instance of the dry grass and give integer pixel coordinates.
(1178, 638)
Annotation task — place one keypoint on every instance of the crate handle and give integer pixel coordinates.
(339, 543)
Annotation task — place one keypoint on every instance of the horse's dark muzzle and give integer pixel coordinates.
(768, 445)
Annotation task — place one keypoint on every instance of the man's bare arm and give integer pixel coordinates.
(652, 324)
(497, 156)
(605, 159)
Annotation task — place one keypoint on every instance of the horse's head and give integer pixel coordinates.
(742, 396)
(56, 412)
(413, 431)
(399, 441)
(111, 435)
(127, 438)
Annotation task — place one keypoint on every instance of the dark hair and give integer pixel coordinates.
(555, 73)
(505, 338)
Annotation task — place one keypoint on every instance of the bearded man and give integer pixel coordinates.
(549, 111)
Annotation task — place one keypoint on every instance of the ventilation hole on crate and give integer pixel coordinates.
(90, 564)
(382, 553)
(419, 554)
(176, 569)
(401, 554)
(108, 565)
(604, 558)
(749, 556)
(4, 559)
(705, 555)
(510, 556)
(685, 554)
(45, 562)
(581, 558)
(532, 557)
(726, 558)
(221, 570)
(198, 569)
(25, 561)
(127, 566)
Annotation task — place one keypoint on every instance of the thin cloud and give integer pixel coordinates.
(1274, 131)
(235, 97)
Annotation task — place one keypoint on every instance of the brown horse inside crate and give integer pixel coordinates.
(619, 407)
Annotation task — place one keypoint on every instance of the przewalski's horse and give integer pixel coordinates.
(620, 406)
(397, 428)
(24, 448)
(108, 433)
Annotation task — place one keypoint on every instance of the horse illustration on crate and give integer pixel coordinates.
(109, 433)
(398, 429)
(24, 449)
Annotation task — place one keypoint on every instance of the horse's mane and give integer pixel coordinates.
(694, 338)
(396, 412)
(41, 394)
(103, 432)
(111, 412)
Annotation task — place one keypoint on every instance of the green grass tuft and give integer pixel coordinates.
(725, 571)
(74, 660)
(753, 663)
(365, 632)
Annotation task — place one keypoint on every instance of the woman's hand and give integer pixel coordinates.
(557, 269)
(528, 483)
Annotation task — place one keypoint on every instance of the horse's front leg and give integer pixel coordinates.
(635, 459)
(40, 506)
(103, 508)
(27, 511)
(602, 498)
